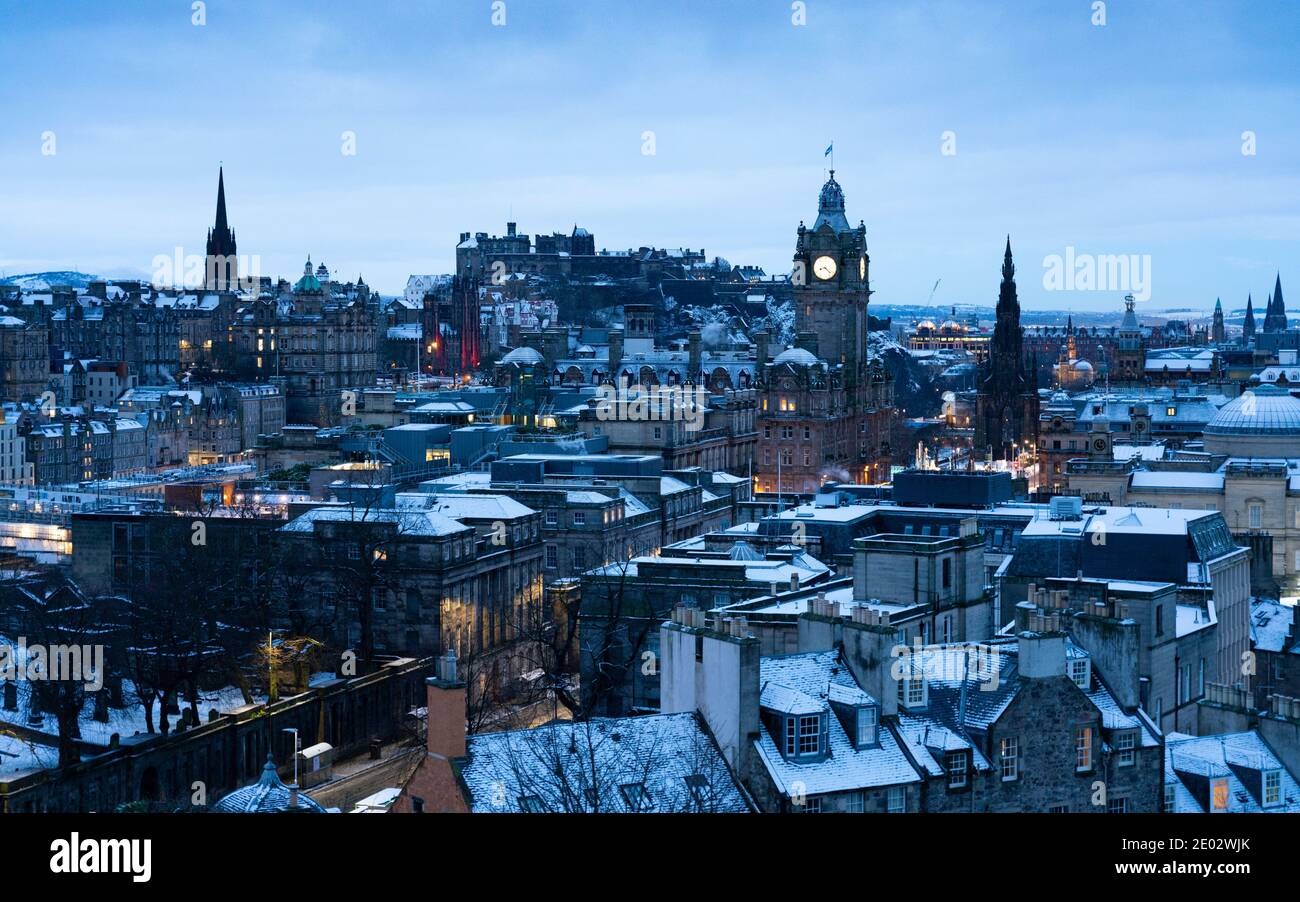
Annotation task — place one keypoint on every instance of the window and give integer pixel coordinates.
(803, 735)
(1010, 760)
(579, 558)
(855, 803)
(812, 805)
(379, 597)
(1116, 806)
(552, 557)
(1160, 619)
(637, 797)
(1170, 790)
(911, 692)
(1255, 514)
(1219, 794)
(699, 787)
(579, 518)
(947, 573)
(1079, 673)
(897, 799)
(1059, 809)
(955, 764)
(1083, 748)
(1126, 745)
(1272, 787)
(531, 805)
(659, 432)
(866, 727)
(552, 518)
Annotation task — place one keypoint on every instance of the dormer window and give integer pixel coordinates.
(868, 726)
(1219, 794)
(912, 693)
(1080, 673)
(636, 797)
(803, 735)
(955, 764)
(531, 805)
(1272, 788)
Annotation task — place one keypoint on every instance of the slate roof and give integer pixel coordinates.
(1192, 762)
(582, 767)
(811, 675)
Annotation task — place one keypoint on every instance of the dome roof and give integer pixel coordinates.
(268, 795)
(523, 357)
(1266, 410)
(307, 285)
(830, 206)
(925, 324)
(796, 357)
(1082, 366)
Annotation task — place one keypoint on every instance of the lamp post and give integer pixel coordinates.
(294, 731)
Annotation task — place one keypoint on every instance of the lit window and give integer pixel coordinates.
(1083, 748)
(1219, 794)
(1010, 758)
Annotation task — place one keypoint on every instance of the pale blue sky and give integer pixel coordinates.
(1119, 139)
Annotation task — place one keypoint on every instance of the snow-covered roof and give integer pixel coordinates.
(1271, 626)
(408, 522)
(661, 763)
(1194, 763)
(810, 676)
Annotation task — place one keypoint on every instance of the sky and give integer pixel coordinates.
(1122, 138)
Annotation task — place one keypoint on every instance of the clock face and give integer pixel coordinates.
(824, 268)
(1100, 444)
(862, 269)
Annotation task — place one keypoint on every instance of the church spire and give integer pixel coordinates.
(221, 200)
(1248, 324)
(222, 268)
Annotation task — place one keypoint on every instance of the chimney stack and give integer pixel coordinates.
(445, 726)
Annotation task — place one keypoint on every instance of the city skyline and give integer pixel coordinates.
(1115, 139)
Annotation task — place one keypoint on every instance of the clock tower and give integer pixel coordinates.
(825, 409)
(831, 280)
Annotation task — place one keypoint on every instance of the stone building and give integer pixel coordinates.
(1006, 409)
(826, 406)
(318, 356)
(867, 724)
(24, 359)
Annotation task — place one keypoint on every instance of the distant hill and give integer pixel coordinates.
(44, 281)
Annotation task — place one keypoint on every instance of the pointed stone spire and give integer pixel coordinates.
(222, 225)
(1248, 324)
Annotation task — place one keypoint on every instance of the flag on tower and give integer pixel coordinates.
(829, 148)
